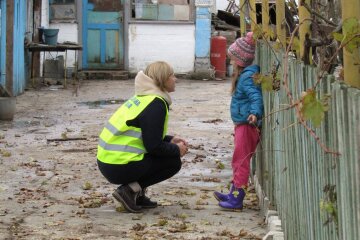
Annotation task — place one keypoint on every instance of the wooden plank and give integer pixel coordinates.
(242, 6)
(265, 17)
(298, 176)
(351, 9)
(252, 13)
(35, 58)
(280, 22)
(351, 151)
(335, 145)
(355, 97)
(9, 46)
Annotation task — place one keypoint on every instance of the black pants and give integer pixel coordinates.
(147, 172)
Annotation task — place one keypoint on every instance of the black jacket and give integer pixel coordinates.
(151, 121)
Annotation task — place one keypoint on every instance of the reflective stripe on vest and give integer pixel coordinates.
(121, 148)
(116, 132)
(119, 143)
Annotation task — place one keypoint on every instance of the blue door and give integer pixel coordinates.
(19, 80)
(102, 33)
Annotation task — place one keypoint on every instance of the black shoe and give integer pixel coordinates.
(126, 196)
(145, 202)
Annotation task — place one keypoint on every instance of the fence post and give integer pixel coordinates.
(305, 32)
(252, 14)
(280, 22)
(351, 69)
(265, 18)
(242, 13)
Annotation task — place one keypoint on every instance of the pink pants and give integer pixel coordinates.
(245, 141)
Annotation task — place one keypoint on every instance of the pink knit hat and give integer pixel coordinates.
(242, 51)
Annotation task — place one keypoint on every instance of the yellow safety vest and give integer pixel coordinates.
(120, 143)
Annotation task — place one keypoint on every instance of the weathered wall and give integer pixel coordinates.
(174, 43)
(221, 5)
(67, 32)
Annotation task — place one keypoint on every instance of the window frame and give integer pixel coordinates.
(133, 19)
(64, 19)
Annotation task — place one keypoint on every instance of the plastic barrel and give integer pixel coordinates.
(51, 36)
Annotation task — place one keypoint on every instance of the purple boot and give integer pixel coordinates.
(235, 201)
(221, 197)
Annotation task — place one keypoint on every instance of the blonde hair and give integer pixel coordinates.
(235, 76)
(160, 72)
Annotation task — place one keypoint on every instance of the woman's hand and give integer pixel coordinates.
(177, 140)
(252, 119)
(182, 144)
(183, 148)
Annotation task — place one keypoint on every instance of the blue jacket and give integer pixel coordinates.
(247, 97)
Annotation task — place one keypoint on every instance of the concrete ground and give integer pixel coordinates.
(51, 188)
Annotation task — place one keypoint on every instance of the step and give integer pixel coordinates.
(104, 74)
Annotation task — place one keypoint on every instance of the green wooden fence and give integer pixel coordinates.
(293, 170)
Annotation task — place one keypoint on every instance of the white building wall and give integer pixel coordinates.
(173, 43)
(45, 13)
(222, 4)
(67, 32)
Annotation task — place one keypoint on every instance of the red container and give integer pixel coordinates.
(218, 55)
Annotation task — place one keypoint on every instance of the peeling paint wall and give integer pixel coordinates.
(174, 43)
(67, 32)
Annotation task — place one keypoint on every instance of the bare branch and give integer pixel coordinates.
(312, 12)
(342, 45)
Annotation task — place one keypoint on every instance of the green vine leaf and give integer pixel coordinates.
(338, 36)
(277, 46)
(266, 81)
(272, 33)
(257, 33)
(325, 101)
(312, 109)
(257, 78)
(350, 35)
(353, 44)
(350, 25)
(295, 45)
(328, 205)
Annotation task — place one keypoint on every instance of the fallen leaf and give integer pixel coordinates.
(87, 186)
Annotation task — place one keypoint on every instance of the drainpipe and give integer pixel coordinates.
(351, 69)
(202, 35)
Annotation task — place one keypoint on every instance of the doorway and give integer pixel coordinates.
(102, 34)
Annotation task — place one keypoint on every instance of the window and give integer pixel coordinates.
(63, 1)
(62, 11)
(163, 10)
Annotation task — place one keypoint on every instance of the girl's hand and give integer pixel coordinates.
(252, 119)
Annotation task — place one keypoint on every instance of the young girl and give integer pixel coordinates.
(133, 148)
(246, 112)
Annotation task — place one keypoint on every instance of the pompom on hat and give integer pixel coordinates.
(242, 51)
